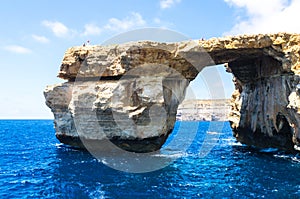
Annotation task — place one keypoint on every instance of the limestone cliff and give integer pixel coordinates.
(204, 110)
(129, 93)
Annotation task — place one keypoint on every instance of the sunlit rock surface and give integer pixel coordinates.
(204, 110)
(129, 93)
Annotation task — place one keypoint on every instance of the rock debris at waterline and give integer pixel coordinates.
(135, 101)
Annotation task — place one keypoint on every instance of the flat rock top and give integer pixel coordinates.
(116, 60)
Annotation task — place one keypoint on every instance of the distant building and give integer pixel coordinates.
(204, 110)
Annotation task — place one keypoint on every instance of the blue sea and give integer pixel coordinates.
(34, 164)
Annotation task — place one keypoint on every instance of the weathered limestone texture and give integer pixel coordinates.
(129, 93)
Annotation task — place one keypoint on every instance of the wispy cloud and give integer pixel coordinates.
(40, 39)
(17, 49)
(58, 28)
(267, 16)
(164, 4)
(91, 29)
(133, 21)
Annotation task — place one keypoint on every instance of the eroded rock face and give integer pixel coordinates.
(129, 93)
(136, 112)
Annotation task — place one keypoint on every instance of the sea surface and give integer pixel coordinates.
(34, 164)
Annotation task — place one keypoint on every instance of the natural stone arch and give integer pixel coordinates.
(264, 104)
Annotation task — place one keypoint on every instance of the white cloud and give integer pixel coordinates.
(17, 49)
(164, 4)
(58, 28)
(40, 39)
(91, 29)
(267, 16)
(133, 21)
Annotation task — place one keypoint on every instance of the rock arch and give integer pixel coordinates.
(265, 104)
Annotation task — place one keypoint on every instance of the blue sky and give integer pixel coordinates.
(35, 34)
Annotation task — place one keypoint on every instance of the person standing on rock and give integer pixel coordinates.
(86, 44)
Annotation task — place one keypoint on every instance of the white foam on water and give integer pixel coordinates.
(231, 142)
(294, 158)
(58, 145)
(212, 133)
(175, 155)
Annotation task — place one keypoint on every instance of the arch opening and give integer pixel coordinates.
(200, 103)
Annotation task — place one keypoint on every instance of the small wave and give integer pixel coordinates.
(268, 150)
(234, 143)
(175, 155)
(14, 182)
(294, 158)
(212, 133)
(103, 161)
(66, 147)
(59, 145)
(229, 139)
(29, 181)
(97, 192)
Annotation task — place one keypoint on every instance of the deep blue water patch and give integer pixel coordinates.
(34, 165)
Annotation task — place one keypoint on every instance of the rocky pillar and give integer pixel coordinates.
(127, 95)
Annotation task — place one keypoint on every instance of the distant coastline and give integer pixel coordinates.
(204, 110)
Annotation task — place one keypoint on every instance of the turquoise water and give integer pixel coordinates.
(34, 165)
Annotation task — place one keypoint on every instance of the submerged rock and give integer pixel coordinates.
(129, 93)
